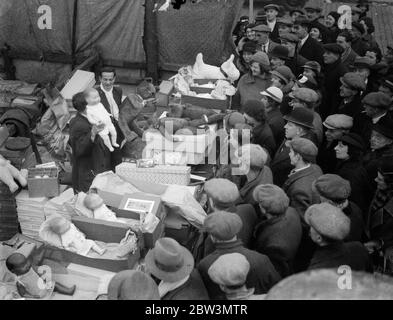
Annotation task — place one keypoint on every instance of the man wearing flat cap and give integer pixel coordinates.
(223, 195)
(303, 155)
(299, 124)
(336, 191)
(336, 126)
(262, 32)
(333, 71)
(223, 228)
(278, 235)
(376, 108)
(352, 85)
(272, 11)
(295, 60)
(308, 47)
(230, 272)
(359, 45)
(329, 227)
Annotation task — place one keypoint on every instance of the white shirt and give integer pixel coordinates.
(112, 103)
(271, 25)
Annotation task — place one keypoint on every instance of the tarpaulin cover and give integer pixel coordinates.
(198, 27)
(115, 26)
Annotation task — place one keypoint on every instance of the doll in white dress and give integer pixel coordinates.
(72, 239)
(97, 114)
(100, 211)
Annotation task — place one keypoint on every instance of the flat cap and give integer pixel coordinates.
(261, 58)
(223, 225)
(333, 187)
(272, 198)
(223, 191)
(262, 28)
(338, 121)
(353, 140)
(334, 48)
(328, 220)
(306, 148)
(229, 270)
(363, 62)
(313, 8)
(256, 155)
(272, 6)
(354, 81)
(289, 37)
(283, 73)
(285, 21)
(377, 100)
(313, 65)
(305, 94)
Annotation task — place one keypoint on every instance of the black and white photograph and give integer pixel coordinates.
(197, 151)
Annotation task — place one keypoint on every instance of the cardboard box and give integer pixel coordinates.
(166, 89)
(207, 103)
(79, 82)
(46, 186)
(175, 158)
(160, 174)
(178, 228)
(108, 232)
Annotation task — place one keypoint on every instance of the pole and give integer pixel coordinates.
(150, 41)
(73, 39)
(251, 12)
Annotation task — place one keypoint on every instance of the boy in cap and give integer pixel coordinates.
(278, 235)
(173, 265)
(333, 71)
(299, 124)
(262, 33)
(308, 47)
(344, 39)
(272, 11)
(336, 126)
(222, 195)
(329, 226)
(230, 272)
(302, 153)
(336, 191)
(223, 227)
(352, 84)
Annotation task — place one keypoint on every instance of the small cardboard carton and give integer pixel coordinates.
(163, 95)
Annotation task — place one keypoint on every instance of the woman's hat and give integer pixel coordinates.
(283, 73)
(274, 93)
(132, 285)
(169, 261)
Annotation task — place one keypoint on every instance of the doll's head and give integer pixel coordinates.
(93, 201)
(59, 225)
(18, 264)
(92, 96)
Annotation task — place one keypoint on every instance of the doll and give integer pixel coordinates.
(28, 280)
(8, 175)
(97, 114)
(100, 211)
(71, 238)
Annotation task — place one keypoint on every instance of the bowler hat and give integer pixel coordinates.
(377, 100)
(272, 198)
(169, 261)
(280, 52)
(353, 140)
(222, 191)
(354, 81)
(305, 147)
(328, 220)
(334, 48)
(229, 270)
(333, 187)
(223, 225)
(302, 117)
(132, 285)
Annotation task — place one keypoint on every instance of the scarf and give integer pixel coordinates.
(112, 103)
(165, 287)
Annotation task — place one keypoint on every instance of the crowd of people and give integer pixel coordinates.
(317, 188)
